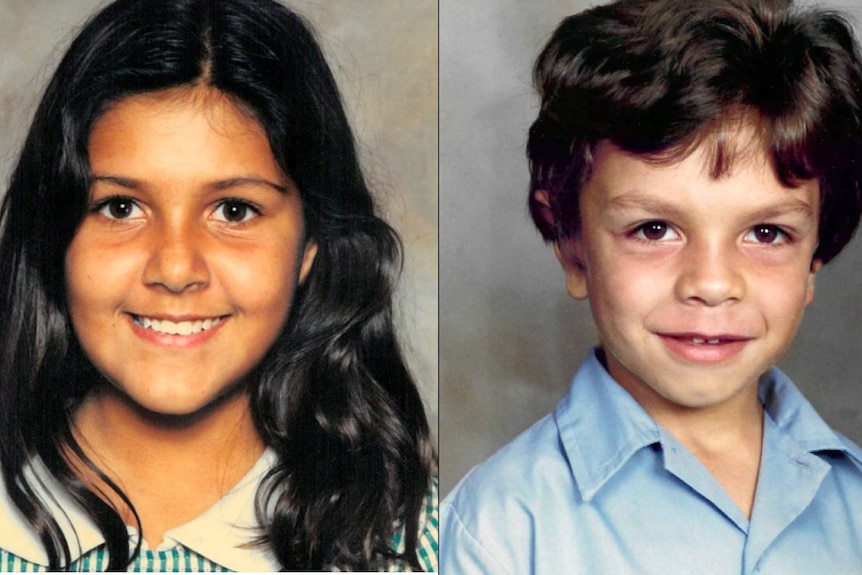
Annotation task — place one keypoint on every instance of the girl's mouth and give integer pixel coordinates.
(168, 327)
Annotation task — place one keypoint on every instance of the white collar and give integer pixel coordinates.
(218, 534)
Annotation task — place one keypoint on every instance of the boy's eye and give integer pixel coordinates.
(766, 234)
(119, 208)
(235, 211)
(655, 232)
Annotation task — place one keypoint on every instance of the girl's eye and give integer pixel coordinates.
(119, 208)
(655, 231)
(235, 211)
(766, 234)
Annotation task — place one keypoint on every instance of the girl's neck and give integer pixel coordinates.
(171, 468)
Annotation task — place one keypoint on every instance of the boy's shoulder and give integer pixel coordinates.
(598, 465)
(569, 454)
(539, 485)
(494, 504)
(513, 472)
(789, 410)
(852, 450)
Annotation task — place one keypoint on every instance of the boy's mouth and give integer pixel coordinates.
(704, 348)
(707, 341)
(183, 327)
(701, 339)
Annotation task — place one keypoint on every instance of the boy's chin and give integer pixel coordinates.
(679, 388)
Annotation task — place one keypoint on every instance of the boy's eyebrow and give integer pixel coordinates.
(635, 200)
(225, 184)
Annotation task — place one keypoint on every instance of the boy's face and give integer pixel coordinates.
(697, 285)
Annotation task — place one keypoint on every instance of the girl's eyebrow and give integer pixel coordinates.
(117, 181)
(225, 184)
(248, 180)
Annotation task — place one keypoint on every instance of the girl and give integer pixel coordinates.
(198, 366)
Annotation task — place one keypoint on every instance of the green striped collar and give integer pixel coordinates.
(219, 534)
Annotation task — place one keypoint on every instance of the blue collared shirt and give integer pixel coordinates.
(599, 487)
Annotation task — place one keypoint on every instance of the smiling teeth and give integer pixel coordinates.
(177, 328)
(701, 341)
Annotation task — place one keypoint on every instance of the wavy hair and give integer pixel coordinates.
(333, 397)
(659, 77)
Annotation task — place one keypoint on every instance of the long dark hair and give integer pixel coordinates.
(658, 77)
(333, 397)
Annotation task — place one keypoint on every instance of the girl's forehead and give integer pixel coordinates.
(224, 112)
(191, 135)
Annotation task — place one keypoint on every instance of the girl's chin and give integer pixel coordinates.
(168, 410)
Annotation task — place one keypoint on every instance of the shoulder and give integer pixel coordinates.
(19, 541)
(853, 453)
(505, 503)
(794, 415)
(429, 537)
(515, 471)
(427, 543)
(14, 564)
(853, 450)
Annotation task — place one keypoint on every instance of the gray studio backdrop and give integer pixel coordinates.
(510, 336)
(384, 56)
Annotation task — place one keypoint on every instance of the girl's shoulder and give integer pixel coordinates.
(428, 541)
(429, 537)
(20, 546)
(22, 550)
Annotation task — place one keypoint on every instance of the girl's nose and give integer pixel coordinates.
(176, 261)
(711, 275)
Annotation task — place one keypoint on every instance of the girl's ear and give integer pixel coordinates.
(568, 250)
(307, 260)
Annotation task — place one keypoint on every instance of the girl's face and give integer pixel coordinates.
(183, 271)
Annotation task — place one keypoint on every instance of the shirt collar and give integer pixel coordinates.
(220, 534)
(601, 425)
(796, 418)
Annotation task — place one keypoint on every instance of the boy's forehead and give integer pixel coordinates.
(745, 159)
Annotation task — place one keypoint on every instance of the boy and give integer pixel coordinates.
(694, 164)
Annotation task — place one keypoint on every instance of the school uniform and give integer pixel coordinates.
(217, 540)
(599, 487)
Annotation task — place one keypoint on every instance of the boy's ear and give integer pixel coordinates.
(815, 267)
(568, 251)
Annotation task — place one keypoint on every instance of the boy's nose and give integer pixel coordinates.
(176, 262)
(711, 275)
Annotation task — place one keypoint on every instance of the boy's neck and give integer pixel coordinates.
(729, 447)
(726, 438)
(172, 469)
